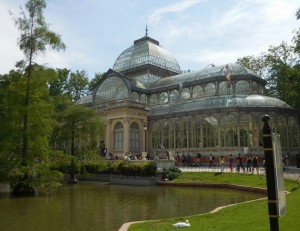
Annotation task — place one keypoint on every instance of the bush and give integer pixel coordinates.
(171, 173)
(91, 164)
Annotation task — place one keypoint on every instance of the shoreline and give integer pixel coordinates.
(126, 225)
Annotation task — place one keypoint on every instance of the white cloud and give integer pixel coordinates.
(172, 8)
(197, 32)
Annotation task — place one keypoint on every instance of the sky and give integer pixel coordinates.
(196, 32)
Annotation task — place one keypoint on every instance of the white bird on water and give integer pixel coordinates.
(182, 224)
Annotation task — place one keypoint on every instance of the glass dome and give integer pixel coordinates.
(146, 51)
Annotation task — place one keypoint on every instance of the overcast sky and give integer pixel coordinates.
(196, 32)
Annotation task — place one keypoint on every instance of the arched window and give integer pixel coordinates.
(156, 136)
(153, 99)
(254, 87)
(229, 131)
(223, 89)
(174, 95)
(134, 135)
(135, 96)
(243, 138)
(246, 131)
(242, 87)
(197, 91)
(113, 88)
(144, 99)
(281, 129)
(185, 94)
(210, 89)
(118, 135)
(210, 132)
(163, 97)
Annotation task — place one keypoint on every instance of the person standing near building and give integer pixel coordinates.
(240, 163)
(230, 162)
(255, 164)
(249, 163)
(211, 160)
(222, 163)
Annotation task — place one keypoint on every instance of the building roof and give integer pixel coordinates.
(146, 51)
(218, 102)
(206, 73)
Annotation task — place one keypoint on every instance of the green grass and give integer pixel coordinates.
(244, 216)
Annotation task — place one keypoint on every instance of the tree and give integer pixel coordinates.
(24, 178)
(77, 85)
(80, 128)
(34, 39)
(257, 64)
(95, 80)
(279, 68)
(296, 38)
(58, 86)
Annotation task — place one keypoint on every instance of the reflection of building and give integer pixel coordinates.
(186, 112)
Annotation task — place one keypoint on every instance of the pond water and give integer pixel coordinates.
(105, 207)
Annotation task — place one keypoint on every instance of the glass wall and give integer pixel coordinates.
(230, 131)
(242, 87)
(197, 91)
(163, 97)
(293, 132)
(185, 94)
(111, 89)
(210, 89)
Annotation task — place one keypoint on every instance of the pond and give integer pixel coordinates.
(105, 207)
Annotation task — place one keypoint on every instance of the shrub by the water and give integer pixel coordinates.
(93, 164)
(171, 173)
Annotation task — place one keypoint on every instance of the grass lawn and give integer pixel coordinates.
(245, 216)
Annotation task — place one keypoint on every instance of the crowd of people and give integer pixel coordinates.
(248, 163)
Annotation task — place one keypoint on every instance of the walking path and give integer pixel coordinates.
(290, 173)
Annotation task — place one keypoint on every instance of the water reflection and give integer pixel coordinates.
(105, 207)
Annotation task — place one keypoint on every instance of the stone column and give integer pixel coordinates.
(126, 135)
(109, 137)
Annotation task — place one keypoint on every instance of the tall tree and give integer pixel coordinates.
(34, 39)
(296, 38)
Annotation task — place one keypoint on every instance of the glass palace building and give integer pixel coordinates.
(150, 106)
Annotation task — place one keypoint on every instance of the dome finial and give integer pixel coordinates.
(146, 28)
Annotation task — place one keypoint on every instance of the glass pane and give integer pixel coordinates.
(185, 94)
(113, 88)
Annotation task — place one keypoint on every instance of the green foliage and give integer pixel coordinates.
(59, 161)
(39, 114)
(35, 175)
(93, 164)
(77, 85)
(171, 173)
(35, 35)
(78, 130)
(279, 68)
(93, 83)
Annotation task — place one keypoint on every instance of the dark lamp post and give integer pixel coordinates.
(270, 175)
